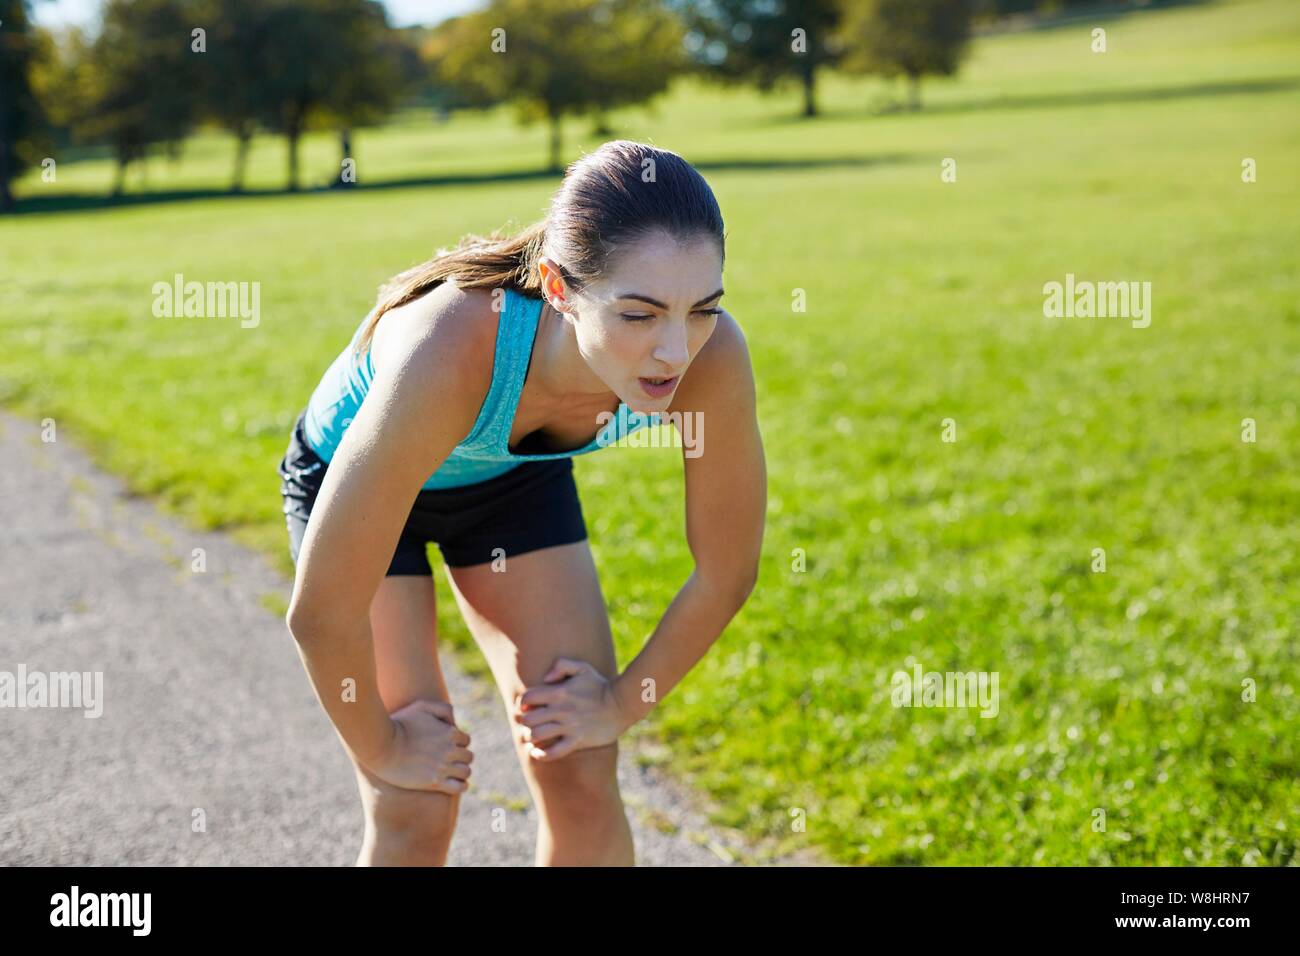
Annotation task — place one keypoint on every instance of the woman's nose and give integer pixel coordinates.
(671, 350)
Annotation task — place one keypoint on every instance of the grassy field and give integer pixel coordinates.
(1119, 691)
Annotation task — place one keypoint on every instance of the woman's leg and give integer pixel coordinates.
(402, 827)
(548, 604)
(405, 827)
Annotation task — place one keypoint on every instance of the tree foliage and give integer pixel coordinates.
(324, 64)
(911, 38)
(22, 117)
(553, 58)
(132, 86)
(764, 42)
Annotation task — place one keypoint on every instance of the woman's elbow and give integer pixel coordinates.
(733, 585)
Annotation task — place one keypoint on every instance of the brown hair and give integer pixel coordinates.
(614, 195)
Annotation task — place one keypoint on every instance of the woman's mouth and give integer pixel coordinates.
(658, 387)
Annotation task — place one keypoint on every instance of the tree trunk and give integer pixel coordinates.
(119, 178)
(914, 91)
(245, 138)
(292, 135)
(345, 145)
(6, 195)
(6, 167)
(555, 143)
(809, 91)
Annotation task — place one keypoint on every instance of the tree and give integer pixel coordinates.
(22, 120)
(132, 86)
(553, 58)
(370, 87)
(449, 88)
(764, 42)
(239, 50)
(294, 64)
(320, 47)
(908, 37)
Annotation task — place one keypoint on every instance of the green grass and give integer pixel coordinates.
(1119, 691)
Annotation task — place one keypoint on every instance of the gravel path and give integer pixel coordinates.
(211, 748)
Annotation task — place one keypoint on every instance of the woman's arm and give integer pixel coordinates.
(726, 505)
(424, 399)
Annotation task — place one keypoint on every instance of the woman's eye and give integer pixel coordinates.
(641, 316)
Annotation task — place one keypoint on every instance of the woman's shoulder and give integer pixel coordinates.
(446, 323)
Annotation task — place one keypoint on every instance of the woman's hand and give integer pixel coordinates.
(427, 750)
(575, 709)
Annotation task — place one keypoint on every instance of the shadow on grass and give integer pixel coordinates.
(79, 202)
(1036, 101)
(1093, 15)
(1154, 94)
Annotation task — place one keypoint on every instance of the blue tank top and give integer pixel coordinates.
(483, 453)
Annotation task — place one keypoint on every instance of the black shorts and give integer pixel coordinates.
(534, 505)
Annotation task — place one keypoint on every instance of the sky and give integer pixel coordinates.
(401, 13)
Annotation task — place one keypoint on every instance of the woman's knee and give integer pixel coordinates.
(583, 780)
(415, 816)
(407, 840)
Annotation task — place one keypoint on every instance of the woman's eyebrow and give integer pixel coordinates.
(658, 304)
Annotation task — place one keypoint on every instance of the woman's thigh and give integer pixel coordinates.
(404, 626)
(545, 604)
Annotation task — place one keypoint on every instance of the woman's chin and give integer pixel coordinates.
(646, 406)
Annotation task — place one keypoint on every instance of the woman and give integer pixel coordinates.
(494, 364)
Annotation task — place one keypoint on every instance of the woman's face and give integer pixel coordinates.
(647, 318)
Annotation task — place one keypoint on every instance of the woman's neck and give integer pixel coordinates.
(563, 375)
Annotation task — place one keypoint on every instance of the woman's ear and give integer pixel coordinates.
(553, 285)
